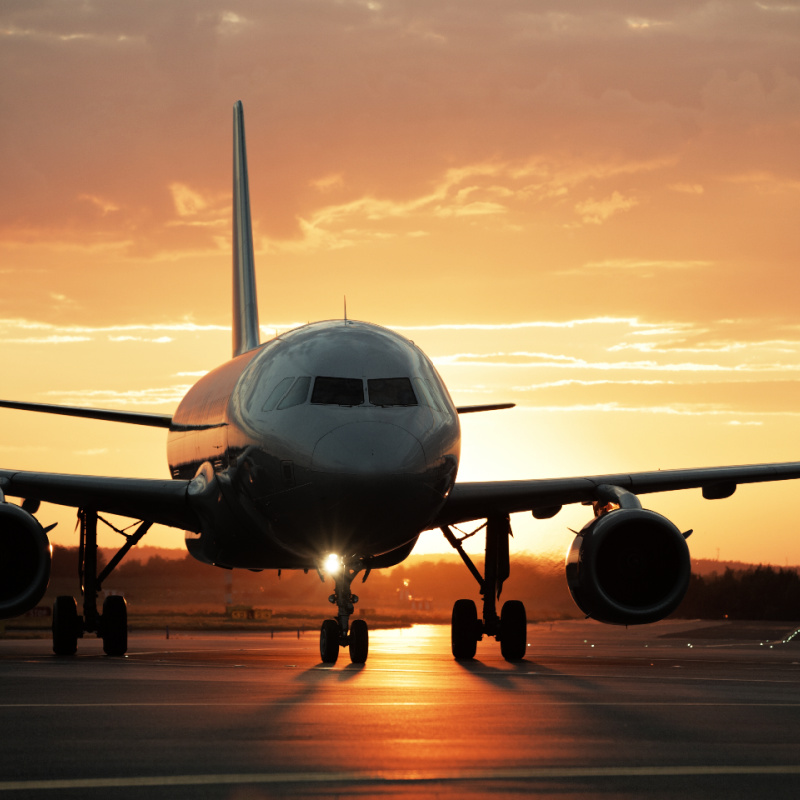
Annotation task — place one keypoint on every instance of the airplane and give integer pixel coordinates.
(332, 447)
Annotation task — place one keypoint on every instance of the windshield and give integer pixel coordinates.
(338, 391)
(391, 392)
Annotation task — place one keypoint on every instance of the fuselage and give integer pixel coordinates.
(337, 437)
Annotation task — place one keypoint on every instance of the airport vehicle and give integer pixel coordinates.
(331, 448)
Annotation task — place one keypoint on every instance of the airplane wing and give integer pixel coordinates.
(544, 498)
(491, 407)
(167, 502)
(131, 417)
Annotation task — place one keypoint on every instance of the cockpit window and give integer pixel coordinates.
(338, 391)
(425, 394)
(391, 392)
(276, 394)
(296, 395)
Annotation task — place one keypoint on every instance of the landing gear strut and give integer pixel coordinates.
(112, 625)
(336, 633)
(511, 627)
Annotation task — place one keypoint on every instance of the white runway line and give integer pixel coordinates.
(396, 776)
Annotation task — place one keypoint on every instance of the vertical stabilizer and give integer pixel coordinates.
(245, 307)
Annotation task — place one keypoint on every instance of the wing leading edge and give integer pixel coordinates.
(482, 499)
(166, 502)
(130, 417)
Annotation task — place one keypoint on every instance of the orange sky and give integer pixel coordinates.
(589, 208)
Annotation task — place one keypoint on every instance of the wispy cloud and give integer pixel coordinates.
(52, 333)
(528, 360)
(53, 339)
(596, 212)
(533, 387)
(164, 395)
(149, 340)
(646, 264)
(732, 415)
(631, 322)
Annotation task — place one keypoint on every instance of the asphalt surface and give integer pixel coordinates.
(674, 709)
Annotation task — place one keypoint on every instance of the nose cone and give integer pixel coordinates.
(369, 448)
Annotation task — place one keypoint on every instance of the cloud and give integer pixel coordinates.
(328, 183)
(627, 322)
(47, 333)
(149, 340)
(646, 264)
(375, 105)
(104, 206)
(526, 360)
(595, 212)
(53, 339)
(677, 410)
(687, 188)
(644, 267)
(534, 387)
(188, 203)
(166, 395)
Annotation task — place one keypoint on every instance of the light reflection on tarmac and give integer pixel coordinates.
(678, 708)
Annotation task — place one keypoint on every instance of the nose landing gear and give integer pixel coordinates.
(336, 633)
(511, 627)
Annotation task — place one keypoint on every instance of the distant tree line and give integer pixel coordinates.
(756, 593)
(760, 592)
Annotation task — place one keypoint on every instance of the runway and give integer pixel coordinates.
(676, 708)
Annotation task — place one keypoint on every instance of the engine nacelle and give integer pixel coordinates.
(24, 561)
(628, 567)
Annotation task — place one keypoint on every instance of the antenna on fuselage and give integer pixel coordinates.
(245, 306)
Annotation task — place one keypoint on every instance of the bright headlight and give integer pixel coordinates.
(332, 564)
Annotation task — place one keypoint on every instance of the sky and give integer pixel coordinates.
(586, 208)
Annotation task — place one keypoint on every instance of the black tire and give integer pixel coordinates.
(359, 641)
(464, 630)
(329, 641)
(513, 631)
(114, 626)
(65, 626)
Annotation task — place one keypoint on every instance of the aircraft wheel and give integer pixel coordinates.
(65, 626)
(359, 641)
(464, 630)
(513, 631)
(114, 626)
(329, 641)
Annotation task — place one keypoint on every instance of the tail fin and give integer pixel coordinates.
(245, 307)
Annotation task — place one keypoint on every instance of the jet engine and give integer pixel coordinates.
(24, 561)
(628, 567)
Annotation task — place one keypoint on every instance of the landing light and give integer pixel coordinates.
(332, 564)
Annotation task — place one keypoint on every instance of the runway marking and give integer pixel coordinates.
(393, 704)
(397, 776)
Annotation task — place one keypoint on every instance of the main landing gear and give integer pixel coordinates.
(511, 627)
(112, 625)
(336, 633)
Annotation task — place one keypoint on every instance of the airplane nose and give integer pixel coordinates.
(368, 448)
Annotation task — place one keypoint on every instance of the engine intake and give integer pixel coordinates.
(24, 561)
(628, 567)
